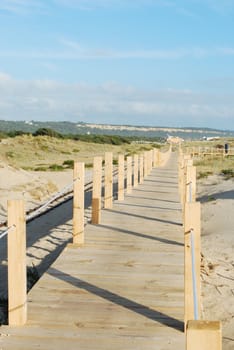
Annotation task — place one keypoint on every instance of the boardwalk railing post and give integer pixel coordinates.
(129, 174)
(150, 160)
(136, 170)
(190, 184)
(97, 190)
(145, 165)
(159, 158)
(192, 222)
(17, 275)
(203, 335)
(141, 173)
(121, 177)
(108, 197)
(78, 203)
(156, 157)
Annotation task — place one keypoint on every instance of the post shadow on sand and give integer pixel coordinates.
(141, 235)
(119, 300)
(217, 195)
(41, 228)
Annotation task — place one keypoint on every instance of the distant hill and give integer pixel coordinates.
(123, 130)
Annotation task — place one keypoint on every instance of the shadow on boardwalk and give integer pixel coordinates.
(145, 217)
(141, 235)
(119, 300)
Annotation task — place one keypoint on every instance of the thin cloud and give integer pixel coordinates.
(112, 103)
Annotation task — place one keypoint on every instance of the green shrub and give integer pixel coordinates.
(55, 167)
(40, 168)
(228, 173)
(69, 163)
(204, 174)
(10, 154)
(47, 132)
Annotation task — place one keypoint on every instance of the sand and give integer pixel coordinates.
(48, 236)
(217, 240)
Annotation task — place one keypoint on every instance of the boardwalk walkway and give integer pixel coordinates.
(124, 288)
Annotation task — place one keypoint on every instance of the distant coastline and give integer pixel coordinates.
(66, 127)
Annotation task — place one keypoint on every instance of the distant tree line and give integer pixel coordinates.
(92, 138)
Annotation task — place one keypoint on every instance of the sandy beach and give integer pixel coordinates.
(48, 236)
(217, 240)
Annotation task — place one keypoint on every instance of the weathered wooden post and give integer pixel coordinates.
(121, 177)
(159, 158)
(156, 157)
(108, 198)
(17, 274)
(190, 184)
(150, 160)
(204, 335)
(145, 164)
(186, 161)
(129, 174)
(141, 169)
(97, 190)
(136, 170)
(78, 203)
(192, 288)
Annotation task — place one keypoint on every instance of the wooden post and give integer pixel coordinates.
(145, 164)
(156, 157)
(108, 199)
(17, 275)
(159, 158)
(78, 203)
(136, 170)
(204, 335)
(129, 174)
(150, 160)
(190, 184)
(192, 220)
(97, 190)
(121, 178)
(141, 169)
(186, 161)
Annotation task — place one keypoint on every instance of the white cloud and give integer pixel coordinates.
(112, 103)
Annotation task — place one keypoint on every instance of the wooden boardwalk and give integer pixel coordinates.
(124, 288)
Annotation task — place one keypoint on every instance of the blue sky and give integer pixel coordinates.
(142, 62)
